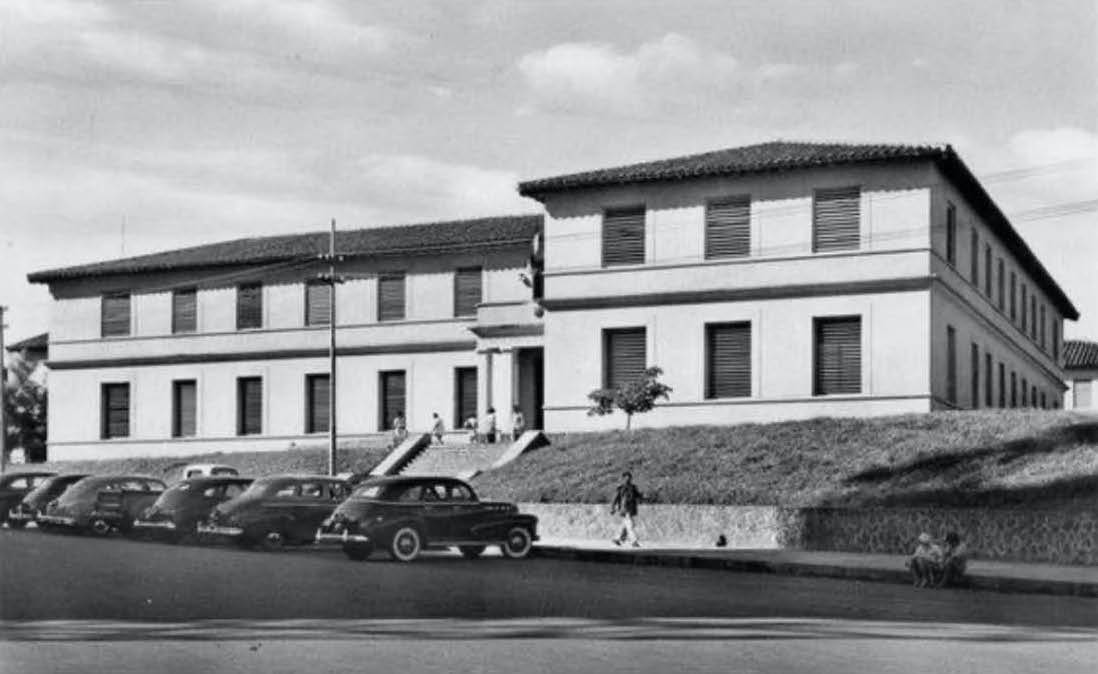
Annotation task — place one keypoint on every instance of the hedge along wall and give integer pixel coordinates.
(1055, 536)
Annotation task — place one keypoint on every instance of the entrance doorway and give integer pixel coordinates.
(531, 386)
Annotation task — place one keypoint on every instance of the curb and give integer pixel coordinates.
(805, 569)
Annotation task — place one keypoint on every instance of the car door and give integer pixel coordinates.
(438, 512)
(466, 512)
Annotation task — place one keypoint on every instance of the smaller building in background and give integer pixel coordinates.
(1081, 373)
(33, 350)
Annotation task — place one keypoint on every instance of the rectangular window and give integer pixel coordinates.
(1002, 385)
(989, 381)
(1013, 297)
(1044, 401)
(184, 408)
(249, 306)
(1082, 393)
(1033, 316)
(951, 365)
(728, 360)
(974, 258)
(465, 400)
(987, 270)
(467, 291)
(1013, 389)
(184, 310)
(249, 406)
(391, 392)
(317, 403)
(318, 303)
(1041, 331)
(1033, 396)
(115, 315)
(625, 356)
(1025, 295)
(836, 219)
(951, 235)
(390, 297)
(1000, 277)
(115, 411)
(1056, 340)
(623, 236)
(838, 355)
(728, 228)
(974, 385)
(1025, 392)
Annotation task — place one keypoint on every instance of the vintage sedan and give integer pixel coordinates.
(405, 515)
(27, 510)
(175, 515)
(14, 486)
(102, 504)
(276, 511)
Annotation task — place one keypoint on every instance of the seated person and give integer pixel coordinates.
(954, 561)
(925, 561)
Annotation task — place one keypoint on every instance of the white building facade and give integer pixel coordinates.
(1081, 375)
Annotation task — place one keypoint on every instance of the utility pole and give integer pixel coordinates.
(332, 279)
(3, 392)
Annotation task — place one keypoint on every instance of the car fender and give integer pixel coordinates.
(383, 531)
(497, 529)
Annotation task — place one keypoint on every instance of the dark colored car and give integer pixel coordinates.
(36, 499)
(176, 514)
(405, 515)
(102, 504)
(14, 486)
(276, 511)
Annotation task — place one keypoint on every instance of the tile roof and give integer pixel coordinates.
(35, 343)
(427, 238)
(1080, 355)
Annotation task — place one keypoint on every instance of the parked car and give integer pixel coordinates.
(102, 504)
(208, 470)
(405, 515)
(14, 486)
(35, 501)
(276, 511)
(176, 514)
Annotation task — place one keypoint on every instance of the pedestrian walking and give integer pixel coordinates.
(518, 423)
(471, 426)
(400, 428)
(488, 426)
(625, 504)
(437, 428)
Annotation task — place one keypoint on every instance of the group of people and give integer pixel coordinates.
(480, 430)
(934, 565)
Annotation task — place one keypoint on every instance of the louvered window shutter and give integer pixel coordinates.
(728, 352)
(116, 411)
(392, 397)
(728, 228)
(249, 406)
(249, 306)
(390, 291)
(467, 291)
(184, 310)
(623, 237)
(835, 219)
(184, 419)
(318, 397)
(318, 303)
(838, 355)
(625, 356)
(115, 315)
(466, 395)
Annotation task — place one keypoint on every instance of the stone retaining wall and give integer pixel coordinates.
(1055, 536)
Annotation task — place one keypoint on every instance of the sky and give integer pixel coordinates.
(131, 127)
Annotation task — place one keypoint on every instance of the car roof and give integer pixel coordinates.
(29, 473)
(218, 479)
(399, 480)
(110, 478)
(300, 477)
(207, 466)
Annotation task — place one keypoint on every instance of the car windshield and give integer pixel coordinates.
(267, 486)
(53, 484)
(368, 491)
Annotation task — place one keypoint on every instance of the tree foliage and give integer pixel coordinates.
(25, 402)
(635, 397)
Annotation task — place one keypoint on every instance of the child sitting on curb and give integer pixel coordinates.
(925, 561)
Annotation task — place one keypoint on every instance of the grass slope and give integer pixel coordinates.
(981, 458)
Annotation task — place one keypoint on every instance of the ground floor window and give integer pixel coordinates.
(115, 411)
(317, 403)
(728, 360)
(391, 388)
(184, 408)
(625, 356)
(249, 406)
(838, 355)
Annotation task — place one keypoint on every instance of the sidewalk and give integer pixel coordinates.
(1054, 579)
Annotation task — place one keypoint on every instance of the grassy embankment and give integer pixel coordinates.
(983, 458)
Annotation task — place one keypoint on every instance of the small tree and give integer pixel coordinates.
(635, 397)
(25, 411)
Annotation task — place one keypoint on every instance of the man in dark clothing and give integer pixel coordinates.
(625, 504)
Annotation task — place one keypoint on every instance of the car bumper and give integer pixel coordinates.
(154, 525)
(57, 520)
(21, 516)
(218, 530)
(343, 538)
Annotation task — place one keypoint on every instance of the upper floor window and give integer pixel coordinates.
(184, 310)
(468, 289)
(1041, 332)
(623, 236)
(1000, 280)
(115, 315)
(249, 306)
(838, 356)
(1025, 303)
(1033, 316)
(987, 270)
(728, 228)
(318, 303)
(974, 258)
(390, 297)
(836, 218)
(1055, 339)
(1013, 296)
(951, 234)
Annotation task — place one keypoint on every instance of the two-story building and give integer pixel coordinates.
(773, 281)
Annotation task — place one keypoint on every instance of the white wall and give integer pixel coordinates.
(1076, 378)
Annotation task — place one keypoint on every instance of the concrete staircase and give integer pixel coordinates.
(462, 461)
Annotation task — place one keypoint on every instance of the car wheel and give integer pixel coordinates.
(518, 543)
(358, 552)
(406, 544)
(471, 551)
(99, 527)
(273, 540)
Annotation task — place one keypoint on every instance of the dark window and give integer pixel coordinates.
(728, 228)
(838, 355)
(623, 236)
(317, 402)
(836, 215)
(1024, 305)
(1025, 392)
(391, 385)
(728, 360)
(465, 400)
(249, 406)
(975, 384)
(1002, 385)
(1033, 316)
(249, 306)
(318, 303)
(115, 315)
(1056, 339)
(1033, 396)
(1013, 297)
(1013, 389)
(974, 258)
(390, 297)
(1000, 277)
(1041, 331)
(467, 291)
(184, 408)
(184, 310)
(1044, 401)
(987, 270)
(951, 365)
(951, 235)
(989, 382)
(115, 411)
(625, 356)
